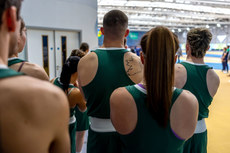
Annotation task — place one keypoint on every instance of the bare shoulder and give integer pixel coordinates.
(212, 75)
(133, 66)
(184, 113)
(32, 93)
(120, 96)
(87, 68)
(35, 70)
(180, 76)
(213, 82)
(124, 121)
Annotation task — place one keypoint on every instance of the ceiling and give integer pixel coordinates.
(178, 15)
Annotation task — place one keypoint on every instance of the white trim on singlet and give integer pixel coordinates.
(144, 90)
(111, 48)
(72, 119)
(140, 89)
(70, 91)
(101, 125)
(200, 126)
(12, 58)
(62, 83)
(2, 66)
(195, 63)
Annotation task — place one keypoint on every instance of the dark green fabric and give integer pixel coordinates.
(15, 61)
(149, 136)
(6, 73)
(110, 75)
(72, 132)
(197, 143)
(82, 120)
(58, 83)
(108, 142)
(197, 84)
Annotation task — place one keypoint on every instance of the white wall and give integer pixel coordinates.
(64, 14)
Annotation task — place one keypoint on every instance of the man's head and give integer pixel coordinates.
(10, 21)
(198, 40)
(84, 47)
(115, 24)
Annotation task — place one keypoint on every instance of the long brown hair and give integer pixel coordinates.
(159, 72)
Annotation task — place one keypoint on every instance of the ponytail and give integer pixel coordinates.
(69, 68)
(159, 73)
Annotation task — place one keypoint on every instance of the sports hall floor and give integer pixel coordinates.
(218, 123)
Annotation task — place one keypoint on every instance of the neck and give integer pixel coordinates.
(14, 55)
(195, 60)
(4, 48)
(113, 43)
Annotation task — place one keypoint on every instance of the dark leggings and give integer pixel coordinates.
(225, 65)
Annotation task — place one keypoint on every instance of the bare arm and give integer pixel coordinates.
(213, 82)
(76, 99)
(184, 114)
(133, 67)
(180, 76)
(35, 70)
(123, 111)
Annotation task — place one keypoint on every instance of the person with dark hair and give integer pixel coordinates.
(224, 59)
(200, 79)
(20, 65)
(33, 113)
(84, 47)
(66, 82)
(160, 117)
(78, 53)
(102, 71)
(82, 118)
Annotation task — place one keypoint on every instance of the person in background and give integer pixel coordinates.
(84, 47)
(20, 65)
(160, 117)
(224, 60)
(201, 80)
(66, 82)
(82, 118)
(100, 72)
(33, 113)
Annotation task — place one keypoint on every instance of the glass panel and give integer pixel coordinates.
(45, 49)
(63, 48)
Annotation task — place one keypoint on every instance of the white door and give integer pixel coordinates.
(40, 46)
(65, 42)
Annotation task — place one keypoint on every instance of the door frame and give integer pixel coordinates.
(53, 30)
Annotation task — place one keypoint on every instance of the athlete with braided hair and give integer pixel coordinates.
(200, 79)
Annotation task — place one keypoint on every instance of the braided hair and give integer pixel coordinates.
(69, 68)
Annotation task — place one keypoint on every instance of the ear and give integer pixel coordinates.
(102, 30)
(187, 48)
(208, 47)
(126, 32)
(175, 58)
(11, 19)
(142, 57)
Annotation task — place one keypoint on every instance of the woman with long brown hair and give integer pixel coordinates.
(153, 116)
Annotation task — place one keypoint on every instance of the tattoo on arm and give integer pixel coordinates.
(133, 67)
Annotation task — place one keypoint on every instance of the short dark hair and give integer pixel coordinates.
(6, 4)
(115, 23)
(199, 40)
(22, 25)
(84, 47)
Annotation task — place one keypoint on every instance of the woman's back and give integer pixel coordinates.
(154, 138)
